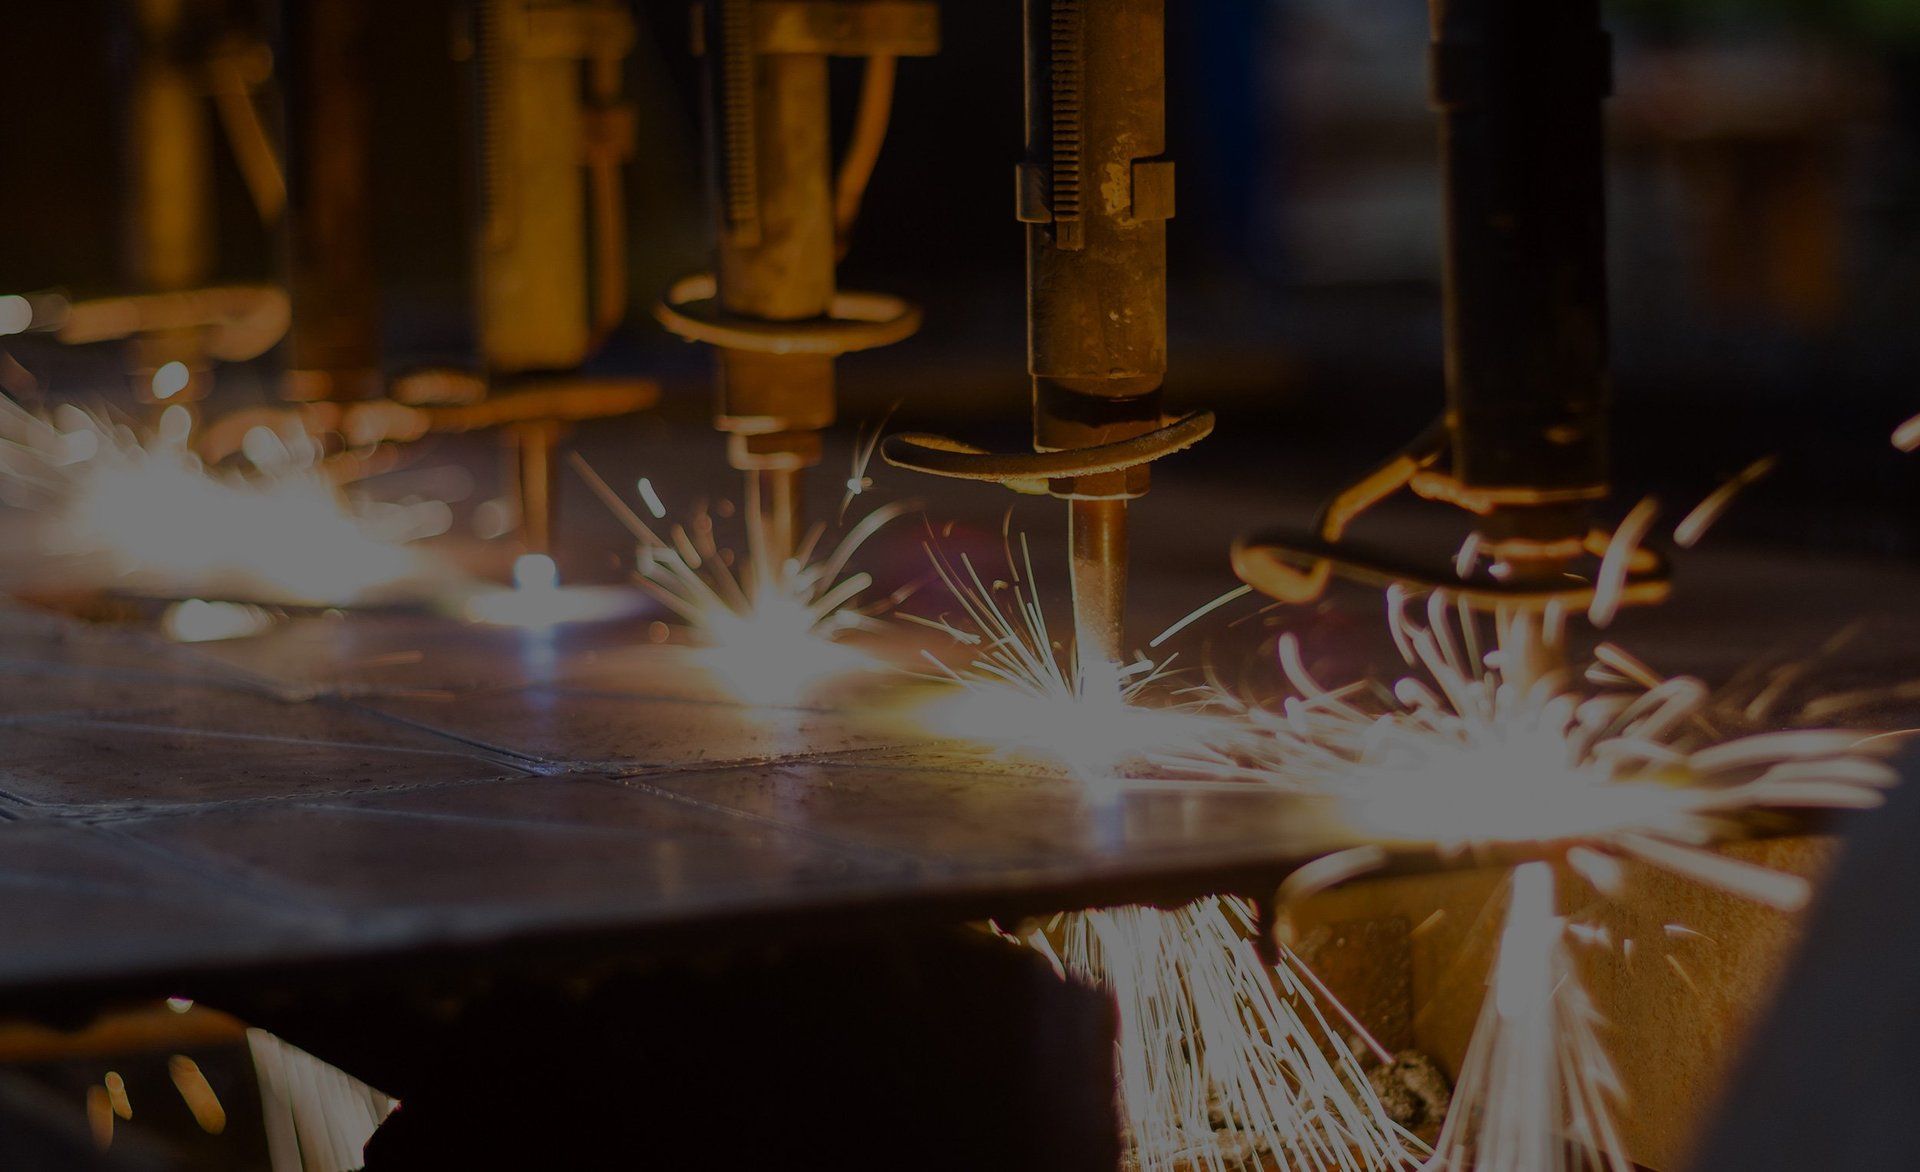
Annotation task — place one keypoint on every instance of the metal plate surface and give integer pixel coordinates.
(347, 790)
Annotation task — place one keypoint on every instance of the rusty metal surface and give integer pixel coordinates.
(1370, 962)
(349, 789)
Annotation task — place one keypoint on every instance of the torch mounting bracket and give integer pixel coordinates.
(854, 321)
(1038, 473)
(1296, 567)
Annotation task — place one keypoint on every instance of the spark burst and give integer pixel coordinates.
(1490, 744)
(1022, 693)
(316, 1116)
(1224, 1062)
(771, 632)
(144, 511)
(1494, 745)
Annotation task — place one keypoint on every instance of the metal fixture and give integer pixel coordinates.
(1095, 194)
(540, 123)
(550, 110)
(771, 308)
(178, 323)
(552, 250)
(553, 130)
(1522, 445)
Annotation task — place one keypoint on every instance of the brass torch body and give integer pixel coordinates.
(531, 263)
(552, 124)
(775, 262)
(1096, 195)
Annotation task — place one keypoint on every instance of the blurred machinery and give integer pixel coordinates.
(1095, 194)
(183, 54)
(1522, 445)
(551, 250)
(551, 133)
(770, 308)
(1756, 135)
(1521, 449)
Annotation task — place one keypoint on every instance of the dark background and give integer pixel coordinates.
(1764, 197)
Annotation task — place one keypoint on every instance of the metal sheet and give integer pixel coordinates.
(345, 790)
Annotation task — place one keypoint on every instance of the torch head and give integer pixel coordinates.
(1071, 415)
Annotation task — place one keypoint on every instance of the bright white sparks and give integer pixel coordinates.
(771, 633)
(1021, 692)
(782, 644)
(1537, 1089)
(1488, 745)
(1492, 742)
(16, 314)
(147, 511)
(170, 380)
(1224, 1063)
(316, 1116)
(535, 573)
(197, 620)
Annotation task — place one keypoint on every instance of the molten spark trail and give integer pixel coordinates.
(317, 1117)
(1224, 1063)
(150, 515)
(1906, 437)
(1537, 1089)
(772, 630)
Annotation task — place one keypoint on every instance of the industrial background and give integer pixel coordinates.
(433, 856)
